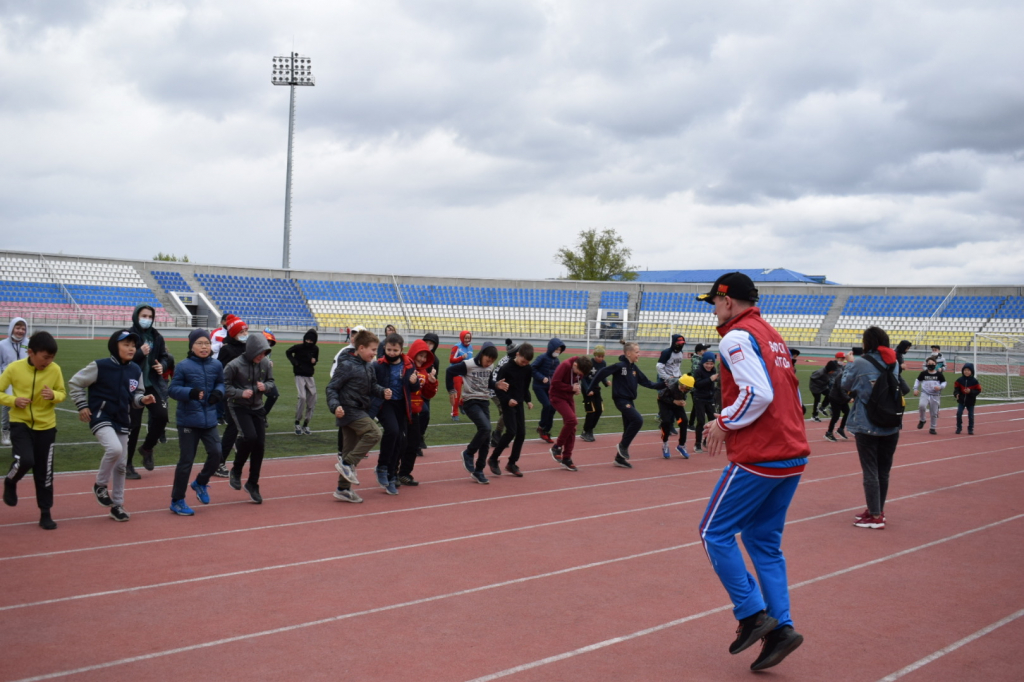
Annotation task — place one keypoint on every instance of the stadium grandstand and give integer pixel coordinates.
(809, 311)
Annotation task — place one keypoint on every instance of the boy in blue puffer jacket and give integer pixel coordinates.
(198, 386)
(543, 370)
(105, 391)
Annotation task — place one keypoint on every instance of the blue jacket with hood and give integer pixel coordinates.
(544, 366)
(205, 374)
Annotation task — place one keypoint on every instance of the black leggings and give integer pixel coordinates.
(839, 407)
(515, 433)
(157, 422)
(705, 412)
(632, 421)
(670, 415)
(395, 423)
(818, 397)
(594, 408)
(252, 437)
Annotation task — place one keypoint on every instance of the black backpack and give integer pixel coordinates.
(885, 406)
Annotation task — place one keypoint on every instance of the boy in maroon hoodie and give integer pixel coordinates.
(565, 384)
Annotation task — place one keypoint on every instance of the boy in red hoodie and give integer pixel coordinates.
(565, 384)
(423, 361)
(460, 353)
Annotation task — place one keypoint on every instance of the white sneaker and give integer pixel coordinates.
(347, 496)
(5, 439)
(347, 472)
(306, 431)
(664, 450)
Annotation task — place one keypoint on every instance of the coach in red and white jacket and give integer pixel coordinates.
(761, 426)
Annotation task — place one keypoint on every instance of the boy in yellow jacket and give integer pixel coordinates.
(37, 385)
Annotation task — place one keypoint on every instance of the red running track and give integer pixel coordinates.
(595, 575)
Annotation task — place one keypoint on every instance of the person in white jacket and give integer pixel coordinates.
(929, 385)
(12, 349)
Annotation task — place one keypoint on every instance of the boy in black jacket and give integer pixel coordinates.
(671, 411)
(516, 376)
(966, 390)
(303, 357)
(593, 405)
(625, 378)
(704, 378)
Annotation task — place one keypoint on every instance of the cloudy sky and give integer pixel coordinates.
(873, 142)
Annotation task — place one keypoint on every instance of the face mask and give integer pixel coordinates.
(145, 322)
(243, 337)
(394, 360)
(556, 353)
(18, 338)
(931, 368)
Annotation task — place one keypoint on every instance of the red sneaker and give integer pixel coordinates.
(876, 522)
(545, 436)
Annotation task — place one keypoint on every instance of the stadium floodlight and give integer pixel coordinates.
(292, 70)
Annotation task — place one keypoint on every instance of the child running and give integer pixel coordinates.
(476, 403)
(625, 377)
(966, 390)
(423, 361)
(198, 386)
(543, 369)
(461, 352)
(246, 379)
(704, 378)
(929, 385)
(303, 357)
(593, 405)
(565, 384)
(672, 411)
(395, 371)
(105, 392)
(36, 384)
(512, 387)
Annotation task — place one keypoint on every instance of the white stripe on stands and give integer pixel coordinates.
(385, 550)
(952, 647)
(492, 586)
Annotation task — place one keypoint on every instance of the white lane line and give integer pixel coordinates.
(493, 586)
(426, 507)
(385, 550)
(663, 626)
(952, 647)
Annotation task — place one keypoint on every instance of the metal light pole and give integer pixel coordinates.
(291, 70)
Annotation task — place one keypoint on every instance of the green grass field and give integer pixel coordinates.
(77, 450)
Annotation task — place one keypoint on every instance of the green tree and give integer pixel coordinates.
(597, 256)
(170, 257)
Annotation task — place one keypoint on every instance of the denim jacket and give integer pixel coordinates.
(858, 379)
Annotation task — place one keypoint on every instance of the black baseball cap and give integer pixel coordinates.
(734, 285)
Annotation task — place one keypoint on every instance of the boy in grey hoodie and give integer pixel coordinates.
(13, 348)
(246, 379)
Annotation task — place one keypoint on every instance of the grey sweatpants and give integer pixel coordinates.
(306, 387)
(929, 405)
(112, 467)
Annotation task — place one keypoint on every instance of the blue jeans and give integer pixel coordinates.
(547, 412)
(960, 417)
(479, 412)
(754, 506)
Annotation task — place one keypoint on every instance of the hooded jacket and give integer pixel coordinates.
(110, 388)
(354, 387)
(304, 356)
(967, 388)
(432, 344)
(11, 350)
(205, 374)
(703, 385)
(242, 374)
(544, 366)
(564, 379)
(479, 381)
(461, 351)
(625, 378)
(901, 350)
(670, 362)
(858, 380)
(518, 378)
(157, 353)
(821, 378)
(383, 369)
(426, 389)
(25, 381)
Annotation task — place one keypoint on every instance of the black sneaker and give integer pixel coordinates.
(254, 492)
(46, 522)
(776, 646)
(556, 453)
(620, 462)
(10, 493)
(102, 496)
(163, 439)
(933, 432)
(408, 480)
(467, 461)
(829, 436)
(235, 479)
(222, 472)
(479, 477)
(147, 458)
(118, 513)
(751, 629)
(514, 470)
(843, 434)
(622, 452)
(130, 473)
(920, 425)
(587, 437)
(493, 465)
(495, 438)
(958, 430)
(567, 463)
(815, 418)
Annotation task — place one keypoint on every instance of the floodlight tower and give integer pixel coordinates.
(292, 70)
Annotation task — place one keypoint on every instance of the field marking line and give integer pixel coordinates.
(664, 626)
(386, 550)
(493, 586)
(951, 648)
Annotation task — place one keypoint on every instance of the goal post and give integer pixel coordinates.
(999, 365)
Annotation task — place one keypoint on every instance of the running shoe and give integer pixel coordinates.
(347, 472)
(202, 492)
(235, 479)
(254, 492)
(621, 462)
(467, 461)
(102, 496)
(751, 629)
(514, 470)
(222, 472)
(347, 496)
(382, 477)
(181, 509)
(776, 646)
(681, 449)
(479, 477)
(665, 450)
(408, 480)
(566, 462)
(118, 513)
(556, 453)
(829, 436)
(494, 465)
(876, 522)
